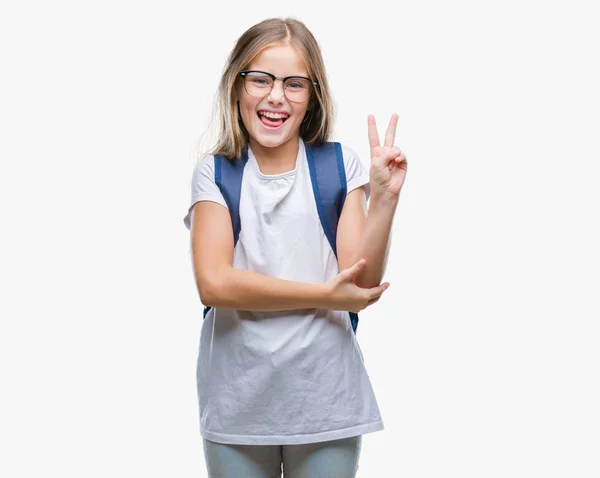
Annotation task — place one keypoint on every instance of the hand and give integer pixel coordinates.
(344, 294)
(388, 163)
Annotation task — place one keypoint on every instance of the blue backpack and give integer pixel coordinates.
(328, 177)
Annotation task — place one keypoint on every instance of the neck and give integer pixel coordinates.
(278, 159)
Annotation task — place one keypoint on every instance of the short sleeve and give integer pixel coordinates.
(203, 186)
(357, 174)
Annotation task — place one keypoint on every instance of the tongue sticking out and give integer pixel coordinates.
(271, 122)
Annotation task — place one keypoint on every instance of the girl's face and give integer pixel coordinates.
(281, 61)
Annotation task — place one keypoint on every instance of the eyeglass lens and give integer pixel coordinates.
(260, 85)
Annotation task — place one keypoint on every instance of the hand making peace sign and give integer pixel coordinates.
(388, 163)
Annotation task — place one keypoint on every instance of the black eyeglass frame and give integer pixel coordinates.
(243, 74)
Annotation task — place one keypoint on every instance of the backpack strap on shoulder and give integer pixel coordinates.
(228, 177)
(328, 177)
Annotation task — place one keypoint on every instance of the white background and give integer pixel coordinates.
(483, 353)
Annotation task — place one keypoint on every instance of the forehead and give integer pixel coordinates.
(281, 60)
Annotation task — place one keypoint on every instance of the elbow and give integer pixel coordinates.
(205, 291)
(369, 277)
(214, 287)
(368, 282)
(210, 290)
(209, 293)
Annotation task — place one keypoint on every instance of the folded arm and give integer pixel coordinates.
(220, 285)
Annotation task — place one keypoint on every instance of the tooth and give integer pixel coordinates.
(273, 115)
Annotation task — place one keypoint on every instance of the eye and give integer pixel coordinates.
(260, 81)
(296, 84)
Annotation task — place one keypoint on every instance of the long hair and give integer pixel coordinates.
(232, 137)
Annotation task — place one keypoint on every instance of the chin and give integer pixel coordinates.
(274, 140)
(270, 142)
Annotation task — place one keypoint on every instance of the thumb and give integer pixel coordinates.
(384, 157)
(355, 269)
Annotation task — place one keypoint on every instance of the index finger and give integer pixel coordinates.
(373, 135)
(378, 290)
(391, 131)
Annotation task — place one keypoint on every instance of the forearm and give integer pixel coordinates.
(376, 241)
(245, 290)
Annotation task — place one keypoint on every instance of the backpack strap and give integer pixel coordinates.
(228, 177)
(328, 177)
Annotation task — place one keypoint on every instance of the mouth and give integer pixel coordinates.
(272, 120)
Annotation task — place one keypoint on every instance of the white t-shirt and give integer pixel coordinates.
(286, 377)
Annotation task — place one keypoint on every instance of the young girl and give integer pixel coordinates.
(281, 378)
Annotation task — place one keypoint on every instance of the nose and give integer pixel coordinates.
(277, 93)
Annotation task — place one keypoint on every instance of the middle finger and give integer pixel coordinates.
(391, 131)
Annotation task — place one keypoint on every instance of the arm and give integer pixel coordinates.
(220, 285)
(245, 290)
(369, 238)
(366, 234)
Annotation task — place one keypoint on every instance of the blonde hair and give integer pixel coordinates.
(232, 137)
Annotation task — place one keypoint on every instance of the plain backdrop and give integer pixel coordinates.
(483, 353)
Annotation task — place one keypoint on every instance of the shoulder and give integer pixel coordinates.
(204, 187)
(357, 173)
(204, 166)
(351, 157)
(348, 152)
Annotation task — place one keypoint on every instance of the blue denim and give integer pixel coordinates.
(328, 459)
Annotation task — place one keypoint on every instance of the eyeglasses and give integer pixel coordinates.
(260, 83)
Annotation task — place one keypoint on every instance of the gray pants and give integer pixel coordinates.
(328, 459)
